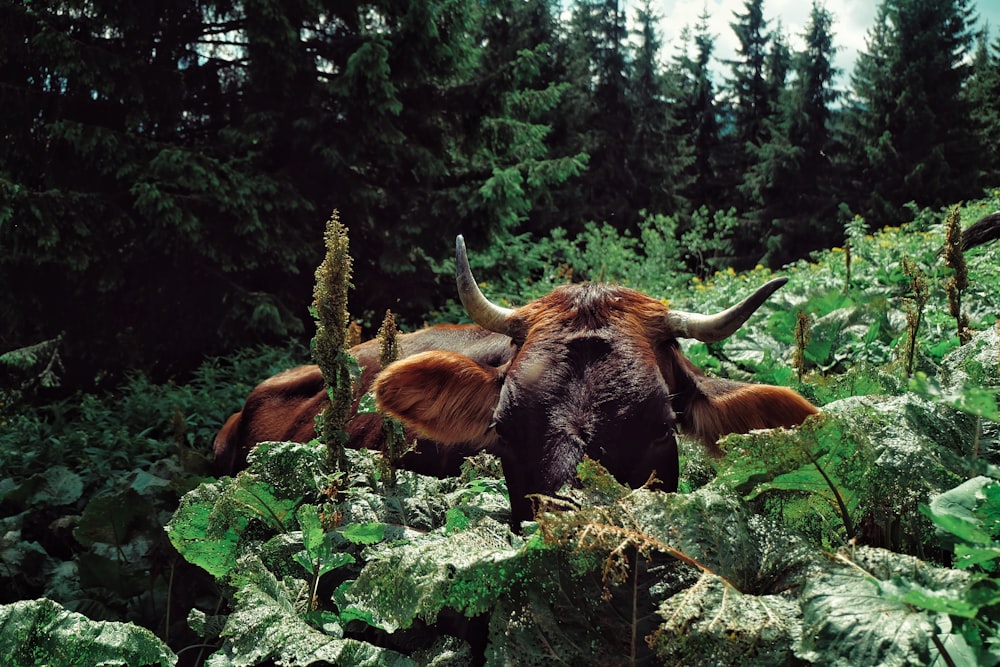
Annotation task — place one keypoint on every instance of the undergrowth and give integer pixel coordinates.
(870, 535)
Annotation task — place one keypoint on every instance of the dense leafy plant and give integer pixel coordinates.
(854, 539)
(87, 483)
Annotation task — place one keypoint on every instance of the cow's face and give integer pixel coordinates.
(596, 372)
(586, 380)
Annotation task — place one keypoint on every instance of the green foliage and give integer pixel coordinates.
(839, 605)
(968, 518)
(708, 239)
(87, 483)
(40, 632)
(853, 538)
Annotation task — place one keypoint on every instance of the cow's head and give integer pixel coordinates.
(597, 371)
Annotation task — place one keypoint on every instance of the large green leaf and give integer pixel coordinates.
(112, 518)
(416, 578)
(40, 632)
(55, 486)
(711, 623)
(268, 624)
(193, 534)
(954, 511)
(855, 611)
(211, 520)
(567, 612)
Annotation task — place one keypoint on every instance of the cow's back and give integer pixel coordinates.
(284, 407)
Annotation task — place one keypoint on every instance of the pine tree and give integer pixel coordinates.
(790, 178)
(698, 113)
(908, 130)
(983, 95)
(659, 153)
(598, 117)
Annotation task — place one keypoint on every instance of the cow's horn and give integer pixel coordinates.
(712, 328)
(483, 312)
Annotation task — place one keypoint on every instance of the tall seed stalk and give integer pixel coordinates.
(954, 259)
(392, 429)
(329, 308)
(802, 326)
(855, 230)
(914, 309)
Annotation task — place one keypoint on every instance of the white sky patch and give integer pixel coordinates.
(851, 22)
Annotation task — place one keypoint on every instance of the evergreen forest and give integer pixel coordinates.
(166, 169)
(176, 176)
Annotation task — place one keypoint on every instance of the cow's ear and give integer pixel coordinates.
(444, 395)
(719, 407)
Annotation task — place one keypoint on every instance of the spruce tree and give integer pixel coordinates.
(983, 95)
(790, 178)
(751, 92)
(599, 120)
(128, 206)
(909, 129)
(169, 171)
(698, 112)
(515, 99)
(659, 152)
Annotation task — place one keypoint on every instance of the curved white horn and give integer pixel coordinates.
(712, 328)
(483, 312)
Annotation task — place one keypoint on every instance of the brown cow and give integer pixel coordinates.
(284, 407)
(587, 370)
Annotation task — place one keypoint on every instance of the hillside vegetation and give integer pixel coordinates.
(869, 535)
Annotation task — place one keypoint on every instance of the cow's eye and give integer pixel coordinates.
(668, 430)
(499, 428)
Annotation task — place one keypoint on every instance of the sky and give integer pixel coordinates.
(852, 19)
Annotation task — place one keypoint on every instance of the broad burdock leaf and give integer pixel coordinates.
(294, 469)
(112, 519)
(55, 487)
(415, 502)
(644, 550)
(41, 632)
(974, 364)
(416, 578)
(561, 615)
(266, 625)
(949, 601)
(196, 535)
(864, 465)
(954, 512)
(711, 623)
(718, 533)
(211, 520)
(854, 611)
